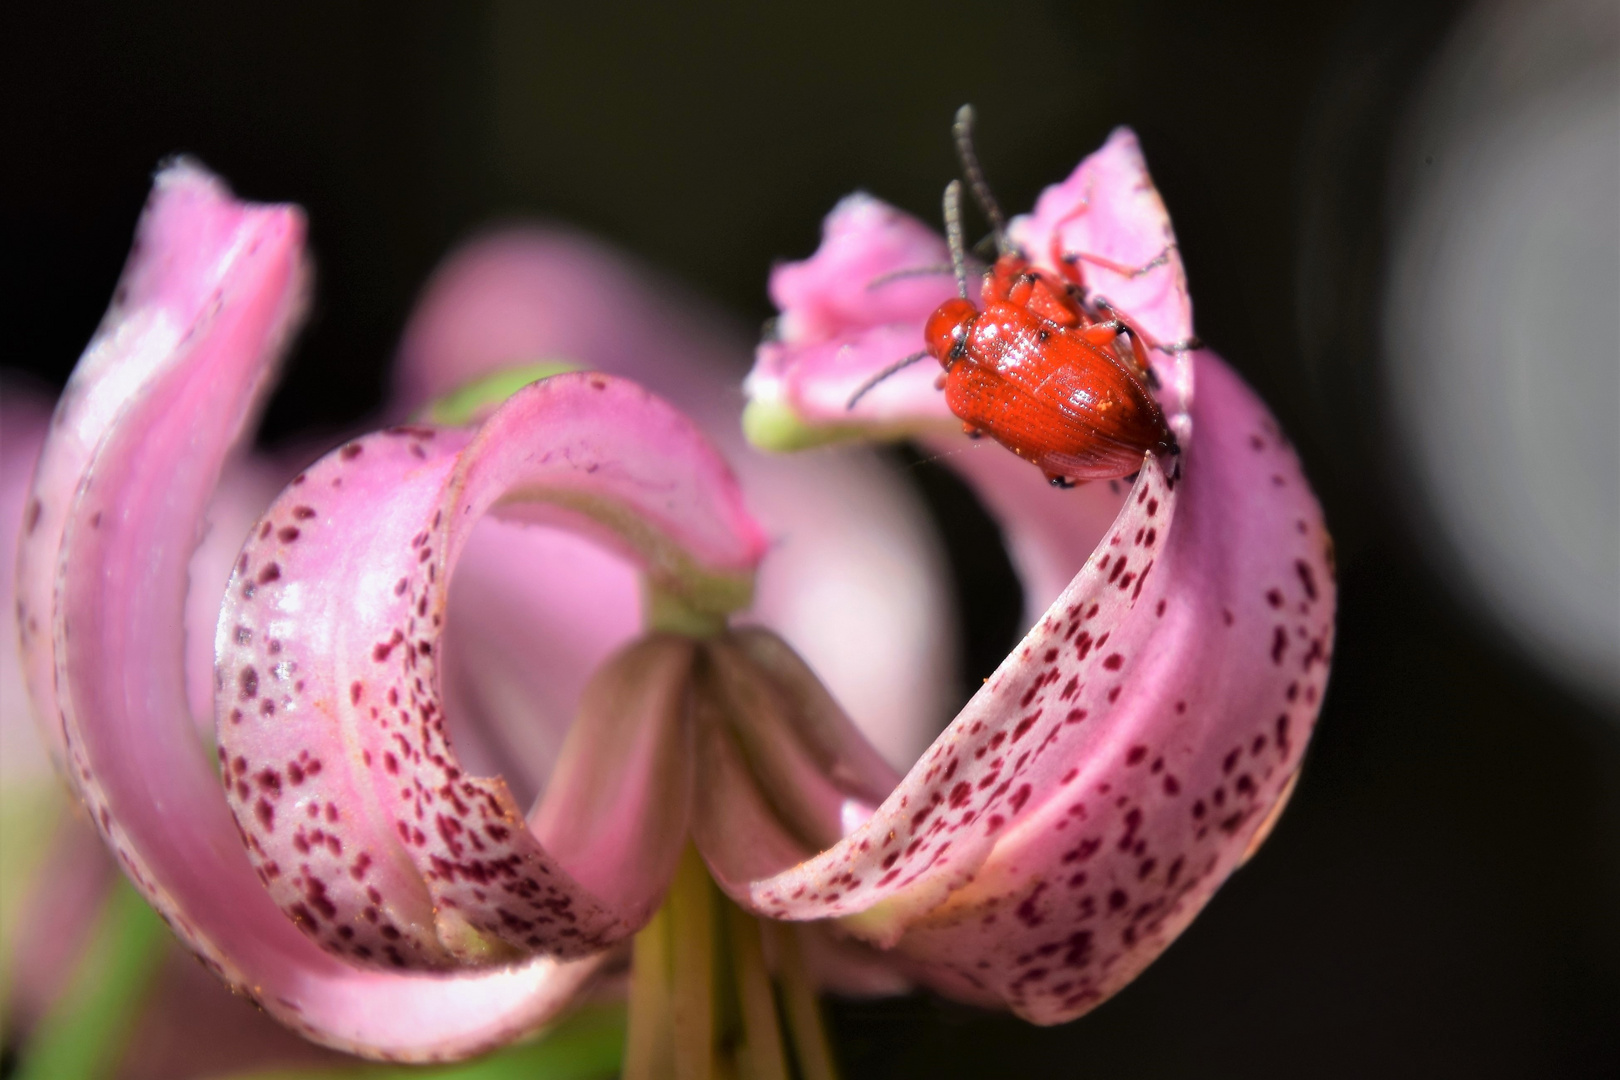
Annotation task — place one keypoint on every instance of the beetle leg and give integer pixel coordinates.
(1059, 481)
(1102, 334)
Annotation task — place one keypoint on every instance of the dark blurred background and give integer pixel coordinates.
(1443, 896)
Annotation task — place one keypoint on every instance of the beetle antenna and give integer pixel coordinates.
(953, 235)
(898, 365)
(963, 131)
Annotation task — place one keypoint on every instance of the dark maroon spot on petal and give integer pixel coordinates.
(248, 680)
(287, 534)
(1114, 661)
(1025, 724)
(1135, 755)
(271, 572)
(1075, 716)
(35, 508)
(1307, 579)
(1020, 797)
(352, 451)
(1279, 644)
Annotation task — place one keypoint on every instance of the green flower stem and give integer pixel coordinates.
(84, 1036)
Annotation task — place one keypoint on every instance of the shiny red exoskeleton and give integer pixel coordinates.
(1059, 382)
(1036, 372)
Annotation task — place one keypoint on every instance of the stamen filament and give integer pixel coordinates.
(810, 1045)
(761, 1055)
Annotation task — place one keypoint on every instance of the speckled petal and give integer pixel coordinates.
(360, 818)
(1120, 763)
(1137, 745)
(123, 485)
(1040, 711)
(1223, 661)
(855, 580)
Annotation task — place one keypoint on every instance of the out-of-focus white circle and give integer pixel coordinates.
(1502, 326)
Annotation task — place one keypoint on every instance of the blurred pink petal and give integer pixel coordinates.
(24, 420)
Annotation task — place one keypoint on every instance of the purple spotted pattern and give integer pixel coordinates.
(360, 819)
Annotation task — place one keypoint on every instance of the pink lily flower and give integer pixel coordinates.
(211, 291)
(375, 893)
(1139, 743)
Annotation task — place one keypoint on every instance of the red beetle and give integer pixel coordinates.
(1051, 379)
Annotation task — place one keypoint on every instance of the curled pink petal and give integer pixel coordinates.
(536, 610)
(1114, 770)
(361, 820)
(1224, 660)
(123, 484)
(875, 265)
(1138, 744)
(855, 581)
(1038, 713)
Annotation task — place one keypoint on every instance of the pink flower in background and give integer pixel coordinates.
(417, 856)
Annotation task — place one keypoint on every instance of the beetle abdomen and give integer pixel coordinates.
(1054, 399)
